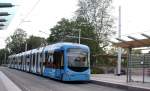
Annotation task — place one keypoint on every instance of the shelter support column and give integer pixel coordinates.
(128, 65)
(119, 62)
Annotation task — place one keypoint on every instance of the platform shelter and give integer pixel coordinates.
(136, 62)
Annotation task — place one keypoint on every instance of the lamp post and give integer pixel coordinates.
(79, 35)
(119, 49)
(5, 59)
(26, 46)
(45, 43)
(43, 32)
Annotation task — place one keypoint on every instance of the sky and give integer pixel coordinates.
(41, 15)
(134, 17)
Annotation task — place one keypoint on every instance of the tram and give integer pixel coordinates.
(63, 61)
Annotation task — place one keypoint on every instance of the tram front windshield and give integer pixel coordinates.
(77, 59)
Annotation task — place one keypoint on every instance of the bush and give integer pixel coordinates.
(95, 70)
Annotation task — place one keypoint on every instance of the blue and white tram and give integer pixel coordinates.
(27, 61)
(33, 60)
(63, 61)
(39, 61)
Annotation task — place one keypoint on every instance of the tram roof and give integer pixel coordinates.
(62, 44)
(22, 53)
(27, 52)
(17, 55)
(34, 51)
(50, 48)
(40, 49)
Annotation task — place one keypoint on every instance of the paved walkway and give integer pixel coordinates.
(2, 86)
(120, 82)
(6, 84)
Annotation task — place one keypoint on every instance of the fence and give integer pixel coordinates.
(139, 68)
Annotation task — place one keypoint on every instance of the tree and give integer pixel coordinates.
(97, 13)
(59, 32)
(16, 42)
(136, 51)
(35, 42)
(68, 30)
(3, 53)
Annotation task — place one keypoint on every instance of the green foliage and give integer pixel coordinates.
(124, 63)
(3, 53)
(68, 31)
(35, 42)
(16, 42)
(136, 51)
(96, 70)
(67, 28)
(98, 13)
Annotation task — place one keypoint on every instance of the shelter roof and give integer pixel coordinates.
(134, 43)
(6, 13)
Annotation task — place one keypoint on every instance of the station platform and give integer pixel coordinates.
(2, 86)
(115, 81)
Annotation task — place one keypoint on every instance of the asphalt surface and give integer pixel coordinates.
(30, 82)
(7, 84)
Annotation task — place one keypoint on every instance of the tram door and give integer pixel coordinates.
(30, 62)
(34, 62)
(41, 63)
(21, 63)
(37, 63)
(44, 57)
(58, 64)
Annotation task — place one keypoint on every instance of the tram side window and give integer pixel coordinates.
(58, 60)
(27, 59)
(46, 59)
(62, 60)
(49, 60)
(16, 61)
(41, 55)
(37, 59)
(34, 59)
(21, 60)
(13, 61)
